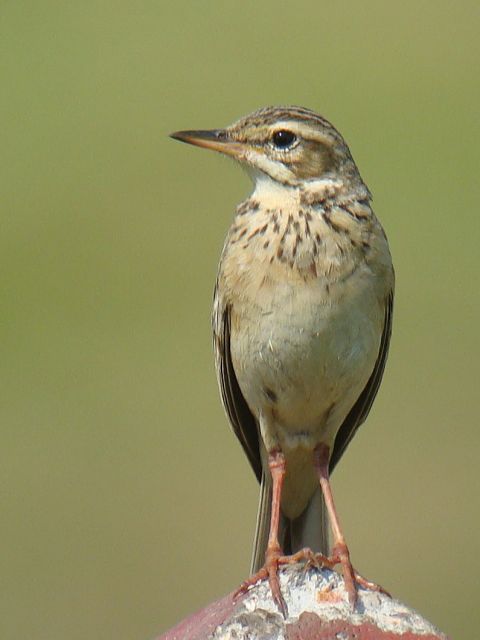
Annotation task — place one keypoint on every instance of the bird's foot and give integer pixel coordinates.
(273, 560)
(340, 555)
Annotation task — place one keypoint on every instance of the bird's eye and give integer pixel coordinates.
(283, 139)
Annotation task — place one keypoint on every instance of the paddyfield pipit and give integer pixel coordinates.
(302, 321)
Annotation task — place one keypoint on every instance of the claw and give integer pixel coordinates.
(372, 586)
(351, 577)
(269, 571)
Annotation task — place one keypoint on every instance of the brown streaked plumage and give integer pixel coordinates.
(302, 322)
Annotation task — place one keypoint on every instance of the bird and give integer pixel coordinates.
(302, 320)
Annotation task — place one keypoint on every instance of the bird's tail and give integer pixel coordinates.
(310, 529)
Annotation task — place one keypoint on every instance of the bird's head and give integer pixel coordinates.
(290, 145)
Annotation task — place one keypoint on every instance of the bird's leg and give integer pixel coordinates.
(277, 466)
(273, 554)
(340, 553)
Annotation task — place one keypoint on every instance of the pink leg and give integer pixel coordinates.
(340, 553)
(273, 555)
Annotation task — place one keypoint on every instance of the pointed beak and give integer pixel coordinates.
(216, 139)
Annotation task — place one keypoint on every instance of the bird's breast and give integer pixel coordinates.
(307, 295)
(305, 356)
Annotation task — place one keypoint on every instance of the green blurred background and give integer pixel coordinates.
(126, 501)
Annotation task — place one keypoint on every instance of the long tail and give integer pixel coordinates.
(310, 529)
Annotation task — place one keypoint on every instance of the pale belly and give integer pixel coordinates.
(301, 365)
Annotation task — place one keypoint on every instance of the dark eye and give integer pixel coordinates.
(283, 139)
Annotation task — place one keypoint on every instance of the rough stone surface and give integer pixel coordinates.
(318, 609)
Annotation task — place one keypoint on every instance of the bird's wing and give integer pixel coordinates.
(241, 418)
(359, 412)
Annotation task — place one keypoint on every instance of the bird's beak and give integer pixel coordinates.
(216, 139)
